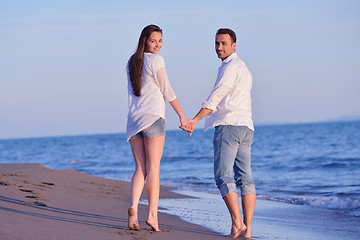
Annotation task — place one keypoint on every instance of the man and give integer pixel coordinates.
(228, 109)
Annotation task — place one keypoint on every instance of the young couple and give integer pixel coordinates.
(228, 109)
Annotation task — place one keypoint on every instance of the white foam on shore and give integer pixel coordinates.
(205, 209)
(272, 220)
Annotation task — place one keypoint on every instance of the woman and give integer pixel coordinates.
(148, 89)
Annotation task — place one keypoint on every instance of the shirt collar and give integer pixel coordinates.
(229, 58)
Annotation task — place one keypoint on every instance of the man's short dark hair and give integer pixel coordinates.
(227, 31)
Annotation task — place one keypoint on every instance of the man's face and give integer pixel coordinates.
(224, 46)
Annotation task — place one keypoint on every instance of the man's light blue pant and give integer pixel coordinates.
(232, 159)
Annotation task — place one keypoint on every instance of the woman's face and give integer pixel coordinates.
(154, 43)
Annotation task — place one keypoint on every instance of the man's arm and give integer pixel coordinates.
(200, 115)
(222, 88)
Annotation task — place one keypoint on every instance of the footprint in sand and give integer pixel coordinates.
(32, 197)
(5, 184)
(26, 190)
(40, 204)
(48, 183)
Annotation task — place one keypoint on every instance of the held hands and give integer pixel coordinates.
(189, 126)
(192, 123)
(185, 124)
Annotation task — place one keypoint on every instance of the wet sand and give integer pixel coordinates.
(272, 220)
(40, 203)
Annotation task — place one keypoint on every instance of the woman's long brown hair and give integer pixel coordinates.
(135, 62)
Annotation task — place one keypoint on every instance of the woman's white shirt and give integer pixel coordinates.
(155, 90)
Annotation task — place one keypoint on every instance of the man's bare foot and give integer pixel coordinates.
(236, 232)
(132, 221)
(154, 225)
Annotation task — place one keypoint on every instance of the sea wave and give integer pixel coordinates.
(333, 203)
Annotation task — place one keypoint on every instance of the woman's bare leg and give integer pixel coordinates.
(153, 148)
(137, 181)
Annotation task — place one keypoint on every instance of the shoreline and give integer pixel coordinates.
(272, 220)
(39, 203)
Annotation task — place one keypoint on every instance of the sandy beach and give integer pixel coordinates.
(39, 203)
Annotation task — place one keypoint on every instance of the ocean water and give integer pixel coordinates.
(316, 165)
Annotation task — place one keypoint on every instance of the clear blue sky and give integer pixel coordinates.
(62, 62)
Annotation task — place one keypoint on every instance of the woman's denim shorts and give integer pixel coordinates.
(156, 129)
